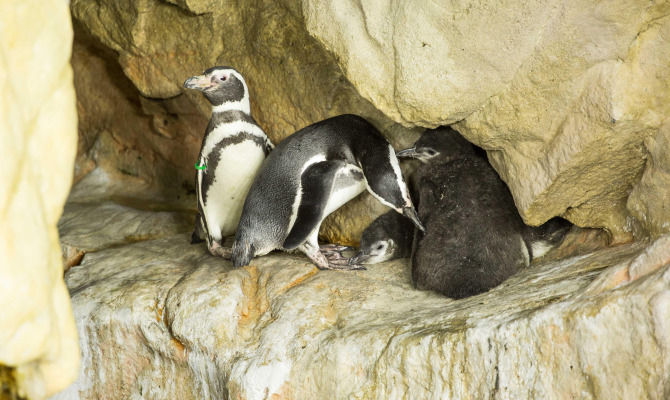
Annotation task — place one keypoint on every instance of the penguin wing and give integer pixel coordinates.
(316, 183)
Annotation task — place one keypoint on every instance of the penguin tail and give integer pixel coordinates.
(195, 238)
(243, 253)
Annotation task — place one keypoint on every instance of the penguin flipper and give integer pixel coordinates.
(317, 184)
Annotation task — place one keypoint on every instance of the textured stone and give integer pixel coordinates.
(163, 319)
(93, 226)
(649, 201)
(561, 94)
(38, 339)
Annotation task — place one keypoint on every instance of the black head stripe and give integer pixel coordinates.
(226, 117)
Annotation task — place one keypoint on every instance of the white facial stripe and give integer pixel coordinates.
(201, 161)
(298, 196)
(540, 248)
(241, 105)
(524, 251)
(401, 183)
(228, 130)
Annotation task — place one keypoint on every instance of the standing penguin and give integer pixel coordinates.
(308, 176)
(232, 151)
(474, 238)
(386, 238)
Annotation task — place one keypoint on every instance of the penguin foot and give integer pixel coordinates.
(333, 253)
(333, 261)
(216, 249)
(327, 248)
(343, 266)
(331, 258)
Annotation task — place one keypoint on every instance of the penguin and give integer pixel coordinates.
(388, 237)
(309, 175)
(541, 239)
(474, 237)
(232, 151)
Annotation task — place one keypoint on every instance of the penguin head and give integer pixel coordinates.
(373, 252)
(224, 87)
(442, 143)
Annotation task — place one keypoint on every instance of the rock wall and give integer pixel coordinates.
(38, 134)
(561, 94)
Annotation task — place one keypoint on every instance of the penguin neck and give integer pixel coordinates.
(240, 105)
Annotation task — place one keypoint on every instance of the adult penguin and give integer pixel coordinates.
(308, 176)
(233, 148)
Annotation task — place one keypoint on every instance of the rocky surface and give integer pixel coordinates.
(38, 133)
(650, 199)
(163, 319)
(563, 95)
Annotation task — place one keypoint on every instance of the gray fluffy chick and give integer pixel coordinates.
(388, 237)
(474, 238)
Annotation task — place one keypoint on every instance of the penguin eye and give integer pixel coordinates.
(223, 78)
(379, 247)
(431, 152)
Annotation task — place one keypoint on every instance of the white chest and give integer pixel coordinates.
(230, 180)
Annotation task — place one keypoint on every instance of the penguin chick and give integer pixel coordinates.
(474, 238)
(541, 239)
(309, 175)
(232, 151)
(388, 237)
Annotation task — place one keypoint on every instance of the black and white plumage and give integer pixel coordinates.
(388, 237)
(474, 238)
(311, 174)
(232, 151)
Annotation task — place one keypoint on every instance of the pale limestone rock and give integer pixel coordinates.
(199, 6)
(649, 201)
(561, 94)
(94, 226)
(37, 147)
(162, 319)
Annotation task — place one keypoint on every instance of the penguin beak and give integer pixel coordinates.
(410, 213)
(198, 82)
(407, 153)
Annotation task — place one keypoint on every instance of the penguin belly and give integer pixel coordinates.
(349, 183)
(233, 177)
